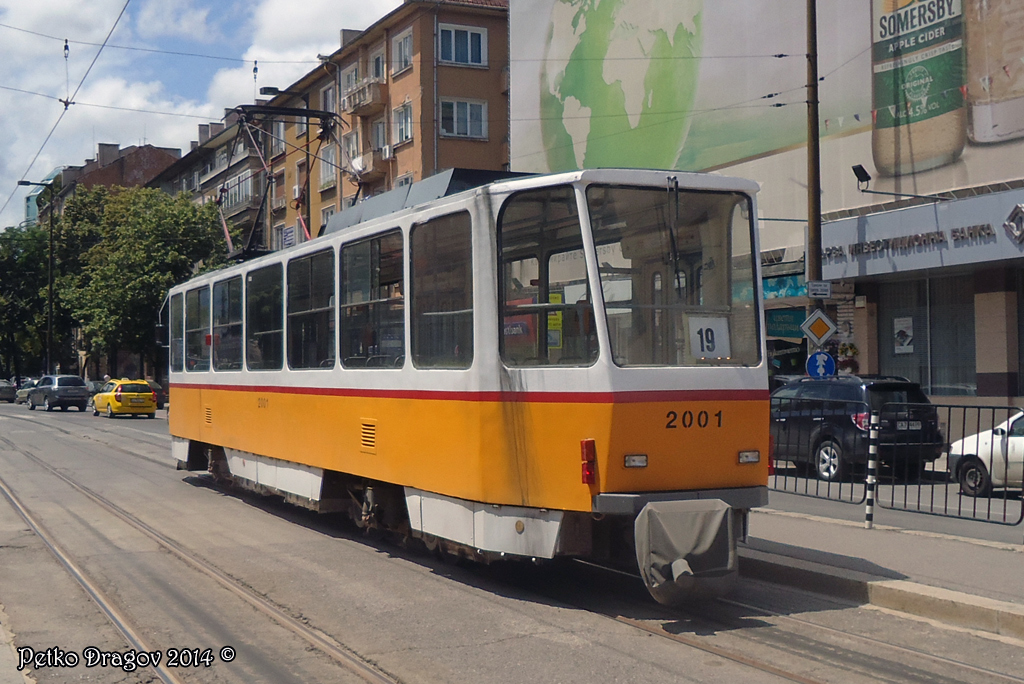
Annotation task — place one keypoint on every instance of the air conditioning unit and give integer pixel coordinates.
(385, 152)
(296, 191)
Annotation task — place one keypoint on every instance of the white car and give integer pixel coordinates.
(989, 459)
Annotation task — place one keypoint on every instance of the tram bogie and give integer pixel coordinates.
(570, 365)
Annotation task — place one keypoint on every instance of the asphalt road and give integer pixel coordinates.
(409, 615)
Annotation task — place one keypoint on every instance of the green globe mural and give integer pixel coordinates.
(623, 94)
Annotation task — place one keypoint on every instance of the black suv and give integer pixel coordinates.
(825, 421)
(59, 390)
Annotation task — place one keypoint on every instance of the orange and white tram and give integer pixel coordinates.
(561, 365)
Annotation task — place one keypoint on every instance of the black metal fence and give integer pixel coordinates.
(948, 460)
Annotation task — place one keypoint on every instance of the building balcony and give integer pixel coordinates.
(372, 166)
(366, 99)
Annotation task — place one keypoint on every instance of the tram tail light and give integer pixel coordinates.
(588, 453)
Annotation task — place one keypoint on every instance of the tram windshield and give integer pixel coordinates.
(677, 275)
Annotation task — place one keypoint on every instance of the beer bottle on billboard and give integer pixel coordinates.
(995, 70)
(918, 111)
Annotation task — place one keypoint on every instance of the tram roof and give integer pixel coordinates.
(443, 184)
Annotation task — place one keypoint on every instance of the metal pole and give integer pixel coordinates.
(813, 255)
(49, 293)
(872, 480)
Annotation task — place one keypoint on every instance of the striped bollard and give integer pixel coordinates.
(869, 511)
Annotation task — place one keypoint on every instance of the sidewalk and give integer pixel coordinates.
(8, 658)
(955, 580)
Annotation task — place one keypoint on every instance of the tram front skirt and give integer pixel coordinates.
(686, 549)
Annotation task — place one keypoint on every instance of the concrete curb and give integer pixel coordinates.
(943, 605)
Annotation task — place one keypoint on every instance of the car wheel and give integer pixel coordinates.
(828, 460)
(81, 408)
(151, 415)
(31, 404)
(46, 404)
(63, 407)
(110, 411)
(974, 478)
(95, 411)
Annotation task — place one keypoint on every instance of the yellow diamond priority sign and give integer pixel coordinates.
(818, 328)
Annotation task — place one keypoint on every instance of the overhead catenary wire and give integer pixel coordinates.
(67, 103)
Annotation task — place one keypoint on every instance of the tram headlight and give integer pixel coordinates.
(750, 456)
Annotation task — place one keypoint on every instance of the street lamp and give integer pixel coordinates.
(49, 276)
(864, 182)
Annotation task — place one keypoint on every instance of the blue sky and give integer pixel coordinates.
(136, 92)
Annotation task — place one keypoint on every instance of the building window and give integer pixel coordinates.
(379, 133)
(372, 303)
(325, 216)
(402, 52)
(301, 124)
(311, 311)
(463, 45)
(177, 334)
(239, 189)
(402, 181)
(276, 138)
(378, 65)
(441, 272)
(328, 166)
(348, 202)
(351, 143)
(227, 324)
(197, 329)
(926, 333)
(276, 237)
(328, 99)
(264, 318)
(403, 123)
(350, 78)
(464, 118)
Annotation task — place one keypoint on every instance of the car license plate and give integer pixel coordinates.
(140, 400)
(908, 425)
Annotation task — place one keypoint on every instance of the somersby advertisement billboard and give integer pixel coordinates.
(927, 95)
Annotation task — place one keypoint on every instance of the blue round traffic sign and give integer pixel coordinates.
(820, 365)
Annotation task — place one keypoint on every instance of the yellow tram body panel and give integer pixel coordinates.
(483, 447)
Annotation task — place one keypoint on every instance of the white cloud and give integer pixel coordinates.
(282, 35)
(175, 18)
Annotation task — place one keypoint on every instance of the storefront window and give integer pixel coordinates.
(926, 333)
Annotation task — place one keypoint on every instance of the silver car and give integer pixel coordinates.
(8, 392)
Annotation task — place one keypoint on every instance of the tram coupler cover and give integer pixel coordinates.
(686, 549)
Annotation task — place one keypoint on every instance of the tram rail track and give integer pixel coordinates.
(315, 638)
(893, 656)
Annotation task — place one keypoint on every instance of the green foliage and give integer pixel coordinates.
(121, 250)
(23, 255)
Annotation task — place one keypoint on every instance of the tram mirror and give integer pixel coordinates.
(160, 335)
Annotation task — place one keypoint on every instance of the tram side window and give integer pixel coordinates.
(197, 329)
(227, 324)
(372, 303)
(264, 318)
(442, 292)
(547, 315)
(177, 335)
(311, 311)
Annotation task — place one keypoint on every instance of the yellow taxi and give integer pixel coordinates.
(124, 396)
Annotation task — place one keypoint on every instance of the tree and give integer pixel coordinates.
(22, 299)
(133, 245)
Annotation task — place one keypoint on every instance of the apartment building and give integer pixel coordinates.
(223, 166)
(423, 89)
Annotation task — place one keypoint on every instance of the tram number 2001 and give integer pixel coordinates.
(689, 419)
